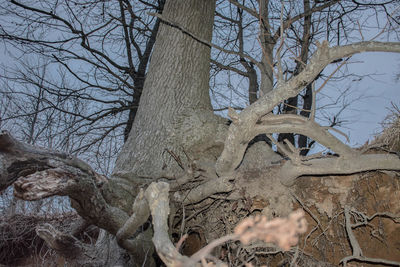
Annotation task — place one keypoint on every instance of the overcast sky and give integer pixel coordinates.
(372, 90)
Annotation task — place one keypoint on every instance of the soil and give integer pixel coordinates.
(323, 198)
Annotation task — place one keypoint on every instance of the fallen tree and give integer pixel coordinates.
(180, 154)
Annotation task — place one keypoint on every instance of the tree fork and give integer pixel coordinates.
(241, 130)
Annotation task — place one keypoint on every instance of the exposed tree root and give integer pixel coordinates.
(355, 246)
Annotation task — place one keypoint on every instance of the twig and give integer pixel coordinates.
(338, 131)
(359, 30)
(176, 158)
(310, 213)
(248, 10)
(180, 242)
(278, 52)
(331, 75)
(387, 23)
(313, 106)
(295, 107)
(357, 253)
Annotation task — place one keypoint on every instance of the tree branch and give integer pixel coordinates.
(338, 165)
(289, 123)
(252, 12)
(241, 131)
(139, 216)
(43, 173)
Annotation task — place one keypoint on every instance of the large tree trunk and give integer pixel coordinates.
(175, 114)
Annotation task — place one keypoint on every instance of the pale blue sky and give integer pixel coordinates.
(370, 97)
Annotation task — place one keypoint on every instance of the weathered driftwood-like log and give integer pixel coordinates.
(157, 195)
(254, 120)
(38, 173)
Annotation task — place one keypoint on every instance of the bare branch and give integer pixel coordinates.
(248, 10)
(139, 216)
(339, 165)
(298, 124)
(241, 133)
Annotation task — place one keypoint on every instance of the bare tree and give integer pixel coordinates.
(179, 153)
(287, 36)
(112, 40)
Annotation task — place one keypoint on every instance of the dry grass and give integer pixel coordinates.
(389, 138)
(18, 238)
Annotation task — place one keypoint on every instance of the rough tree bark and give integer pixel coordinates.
(140, 74)
(175, 116)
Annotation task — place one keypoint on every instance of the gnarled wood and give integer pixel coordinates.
(241, 131)
(38, 173)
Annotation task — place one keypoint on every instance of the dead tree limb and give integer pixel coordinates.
(18, 159)
(243, 128)
(139, 217)
(157, 195)
(338, 165)
(39, 173)
(289, 123)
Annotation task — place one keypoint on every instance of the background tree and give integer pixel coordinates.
(178, 145)
(303, 24)
(101, 48)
